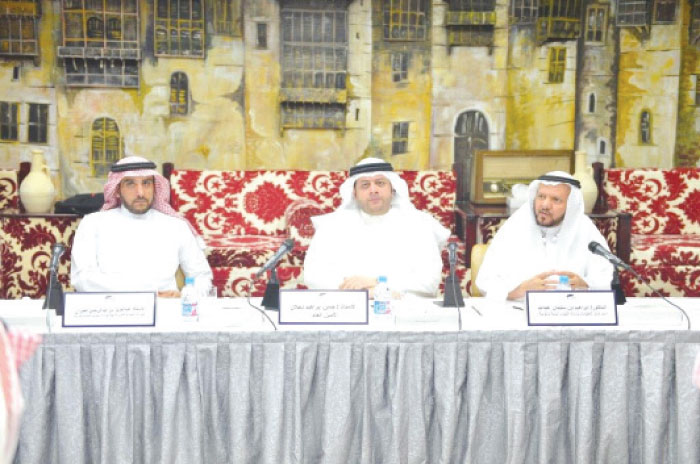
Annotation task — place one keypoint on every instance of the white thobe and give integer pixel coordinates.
(116, 250)
(516, 255)
(403, 245)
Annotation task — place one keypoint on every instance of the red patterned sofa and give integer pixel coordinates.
(244, 216)
(665, 229)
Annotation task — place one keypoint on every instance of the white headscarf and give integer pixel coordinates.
(400, 197)
(574, 204)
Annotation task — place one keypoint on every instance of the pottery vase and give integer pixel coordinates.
(37, 191)
(583, 172)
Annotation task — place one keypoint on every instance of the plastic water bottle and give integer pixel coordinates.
(382, 297)
(190, 301)
(563, 283)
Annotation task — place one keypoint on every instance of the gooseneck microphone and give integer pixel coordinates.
(57, 250)
(452, 255)
(598, 249)
(285, 248)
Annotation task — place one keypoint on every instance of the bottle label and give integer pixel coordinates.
(382, 307)
(189, 309)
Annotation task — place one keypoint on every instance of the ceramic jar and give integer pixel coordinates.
(37, 191)
(583, 172)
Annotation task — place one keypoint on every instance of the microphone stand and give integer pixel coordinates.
(271, 299)
(617, 288)
(452, 295)
(54, 294)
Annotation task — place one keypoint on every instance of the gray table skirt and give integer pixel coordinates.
(362, 397)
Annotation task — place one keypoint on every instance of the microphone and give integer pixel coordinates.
(452, 257)
(57, 250)
(285, 248)
(598, 249)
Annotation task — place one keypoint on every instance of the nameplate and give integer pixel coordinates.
(324, 307)
(561, 307)
(101, 309)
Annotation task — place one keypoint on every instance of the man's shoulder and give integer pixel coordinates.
(95, 217)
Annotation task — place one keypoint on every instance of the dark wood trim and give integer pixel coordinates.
(601, 203)
(168, 169)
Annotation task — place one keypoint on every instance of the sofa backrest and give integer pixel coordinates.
(9, 196)
(247, 202)
(254, 202)
(661, 201)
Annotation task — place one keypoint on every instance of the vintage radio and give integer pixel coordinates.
(494, 172)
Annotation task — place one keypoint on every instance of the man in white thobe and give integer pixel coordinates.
(375, 232)
(137, 241)
(546, 237)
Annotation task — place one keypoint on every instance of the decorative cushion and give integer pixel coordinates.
(665, 250)
(668, 280)
(249, 252)
(662, 201)
(9, 196)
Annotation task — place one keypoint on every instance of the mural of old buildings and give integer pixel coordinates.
(317, 84)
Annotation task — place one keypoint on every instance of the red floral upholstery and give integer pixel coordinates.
(244, 216)
(9, 196)
(665, 243)
(25, 248)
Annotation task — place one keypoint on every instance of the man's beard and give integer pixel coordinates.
(554, 223)
(132, 210)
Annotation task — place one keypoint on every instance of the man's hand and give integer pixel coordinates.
(169, 294)
(575, 280)
(542, 281)
(358, 283)
(547, 281)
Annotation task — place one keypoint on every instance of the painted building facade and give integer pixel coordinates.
(317, 84)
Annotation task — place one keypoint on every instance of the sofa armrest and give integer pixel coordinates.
(624, 235)
(615, 227)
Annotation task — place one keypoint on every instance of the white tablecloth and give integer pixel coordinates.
(389, 393)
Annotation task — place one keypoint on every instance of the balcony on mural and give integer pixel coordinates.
(470, 28)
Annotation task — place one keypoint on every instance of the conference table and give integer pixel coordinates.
(406, 388)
